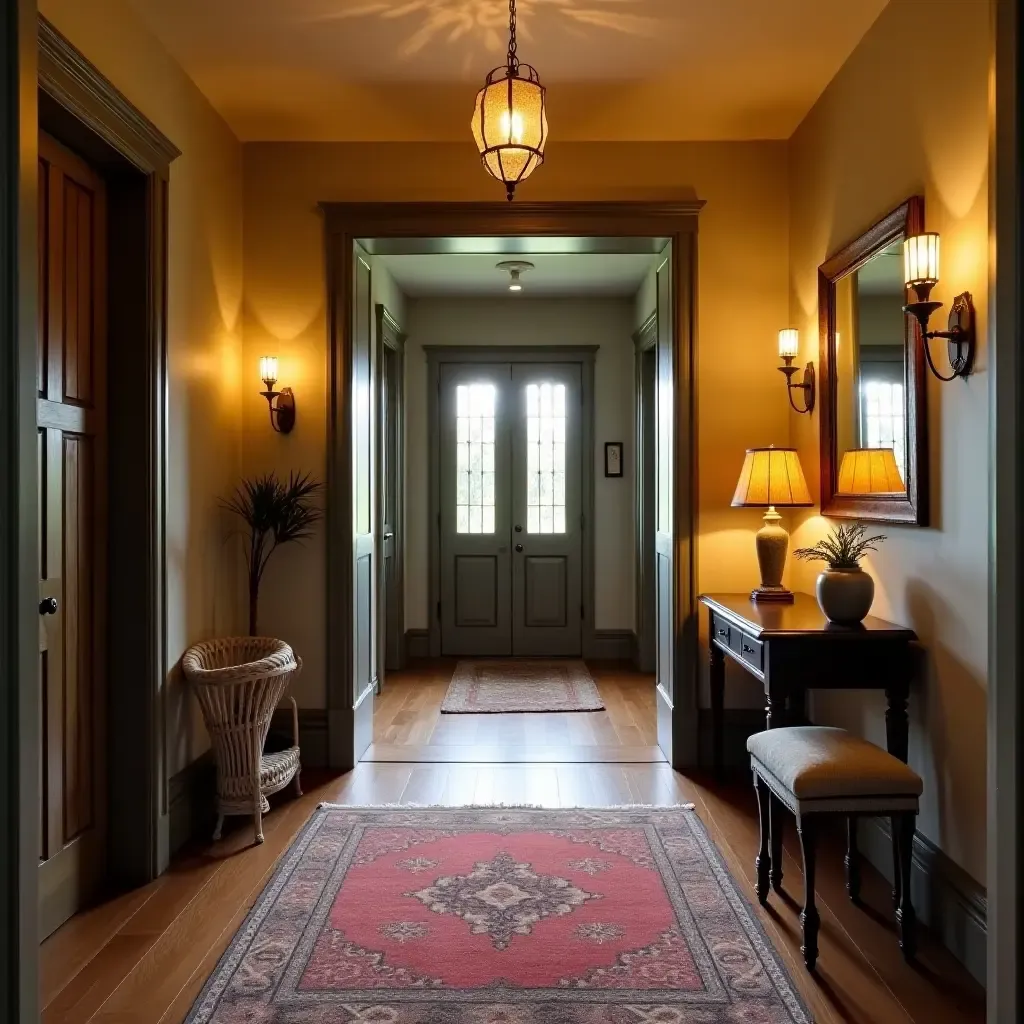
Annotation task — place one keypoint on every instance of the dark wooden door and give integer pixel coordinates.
(71, 417)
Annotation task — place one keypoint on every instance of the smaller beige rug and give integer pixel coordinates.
(492, 687)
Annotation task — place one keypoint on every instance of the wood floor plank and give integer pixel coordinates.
(143, 958)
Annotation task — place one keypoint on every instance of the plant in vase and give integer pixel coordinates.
(845, 591)
(276, 512)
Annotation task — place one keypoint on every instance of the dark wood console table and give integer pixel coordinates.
(793, 648)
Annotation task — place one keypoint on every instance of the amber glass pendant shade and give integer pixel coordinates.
(510, 121)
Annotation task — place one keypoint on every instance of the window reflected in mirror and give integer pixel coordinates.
(871, 376)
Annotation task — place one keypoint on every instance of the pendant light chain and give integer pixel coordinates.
(513, 59)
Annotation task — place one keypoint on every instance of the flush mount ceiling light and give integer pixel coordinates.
(515, 269)
(510, 123)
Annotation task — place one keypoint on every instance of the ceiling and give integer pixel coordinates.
(554, 275)
(407, 70)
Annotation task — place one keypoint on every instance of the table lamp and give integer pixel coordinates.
(870, 471)
(771, 477)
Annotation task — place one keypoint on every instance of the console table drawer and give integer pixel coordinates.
(722, 631)
(750, 650)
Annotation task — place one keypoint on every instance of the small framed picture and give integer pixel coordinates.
(613, 458)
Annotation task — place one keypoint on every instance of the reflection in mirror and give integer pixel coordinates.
(874, 431)
(870, 376)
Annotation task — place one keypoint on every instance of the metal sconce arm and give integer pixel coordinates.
(960, 335)
(807, 385)
(282, 407)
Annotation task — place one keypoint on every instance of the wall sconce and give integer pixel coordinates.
(282, 403)
(789, 346)
(921, 272)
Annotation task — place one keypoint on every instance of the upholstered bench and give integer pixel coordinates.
(814, 770)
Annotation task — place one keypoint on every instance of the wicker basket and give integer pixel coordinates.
(239, 681)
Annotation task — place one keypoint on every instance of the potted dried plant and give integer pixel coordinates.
(275, 512)
(845, 591)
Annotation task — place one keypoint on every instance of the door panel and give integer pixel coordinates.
(474, 510)
(547, 607)
(71, 416)
(665, 481)
(363, 514)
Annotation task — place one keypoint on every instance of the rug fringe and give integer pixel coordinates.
(328, 805)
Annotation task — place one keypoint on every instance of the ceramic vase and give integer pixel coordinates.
(845, 595)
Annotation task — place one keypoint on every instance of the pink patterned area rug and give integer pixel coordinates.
(494, 686)
(500, 916)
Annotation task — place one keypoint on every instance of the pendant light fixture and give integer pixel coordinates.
(510, 123)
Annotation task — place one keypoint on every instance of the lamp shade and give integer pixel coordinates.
(268, 368)
(771, 476)
(510, 124)
(870, 471)
(789, 342)
(921, 259)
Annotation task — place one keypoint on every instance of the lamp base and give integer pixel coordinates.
(772, 595)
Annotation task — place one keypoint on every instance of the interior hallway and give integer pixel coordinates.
(143, 957)
(408, 724)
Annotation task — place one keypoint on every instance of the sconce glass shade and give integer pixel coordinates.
(789, 342)
(510, 124)
(268, 370)
(921, 260)
(870, 471)
(771, 476)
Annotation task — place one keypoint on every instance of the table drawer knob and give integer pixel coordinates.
(723, 632)
(747, 649)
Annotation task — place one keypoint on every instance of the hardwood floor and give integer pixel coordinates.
(408, 724)
(143, 957)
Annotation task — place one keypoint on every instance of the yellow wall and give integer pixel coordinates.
(743, 260)
(204, 335)
(890, 125)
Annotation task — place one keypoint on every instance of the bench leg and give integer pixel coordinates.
(776, 818)
(906, 919)
(852, 860)
(763, 862)
(809, 920)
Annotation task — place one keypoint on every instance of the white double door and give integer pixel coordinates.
(510, 509)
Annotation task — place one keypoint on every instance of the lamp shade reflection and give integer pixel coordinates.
(870, 471)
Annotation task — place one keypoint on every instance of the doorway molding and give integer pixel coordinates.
(675, 222)
(583, 356)
(84, 111)
(645, 341)
(391, 601)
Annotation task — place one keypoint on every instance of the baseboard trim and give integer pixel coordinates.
(312, 734)
(613, 645)
(737, 725)
(191, 801)
(417, 644)
(946, 897)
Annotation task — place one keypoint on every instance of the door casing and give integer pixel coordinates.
(439, 356)
(495, 227)
(646, 371)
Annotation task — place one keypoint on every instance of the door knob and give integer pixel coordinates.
(519, 547)
(48, 606)
(518, 529)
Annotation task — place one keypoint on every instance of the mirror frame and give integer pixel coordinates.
(912, 508)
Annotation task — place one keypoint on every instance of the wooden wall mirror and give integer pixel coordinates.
(874, 432)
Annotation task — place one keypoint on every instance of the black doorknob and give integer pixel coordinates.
(519, 547)
(48, 606)
(518, 529)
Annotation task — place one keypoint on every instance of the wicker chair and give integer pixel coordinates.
(239, 681)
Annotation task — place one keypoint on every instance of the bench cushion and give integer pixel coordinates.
(815, 762)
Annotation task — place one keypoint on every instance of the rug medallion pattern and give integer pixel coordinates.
(495, 916)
